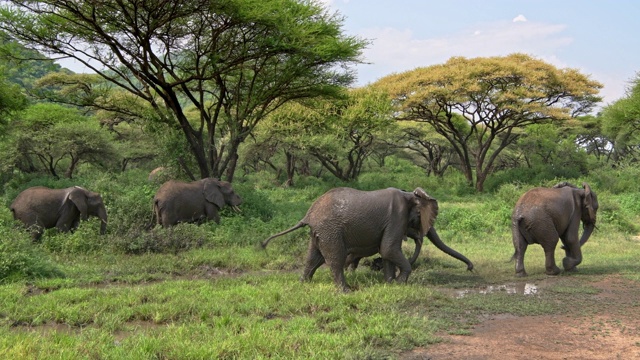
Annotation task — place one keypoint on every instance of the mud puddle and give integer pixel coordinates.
(511, 288)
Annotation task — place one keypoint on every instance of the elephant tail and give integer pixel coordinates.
(154, 215)
(520, 230)
(523, 231)
(297, 226)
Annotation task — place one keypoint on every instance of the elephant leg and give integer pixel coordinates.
(397, 258)
(389, 270)
(313, 262)
(550, 261)
(352, 262)
(211, 212)
(335, 258)
(573, 256)
(520, 245)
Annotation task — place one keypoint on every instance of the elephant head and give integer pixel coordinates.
(423, 214)
(88, 203)
(589, 211)
(220, 193)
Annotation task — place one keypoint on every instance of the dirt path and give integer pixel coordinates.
(613, 333)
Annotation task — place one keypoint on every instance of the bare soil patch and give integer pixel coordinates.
(612, 333)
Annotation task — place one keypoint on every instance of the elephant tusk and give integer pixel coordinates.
(236, 209)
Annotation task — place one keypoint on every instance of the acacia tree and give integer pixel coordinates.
(234, 61)
(47, 137)
(620, 123)
(348, 131)
(339, 133)
(428, 149)
(498, 96)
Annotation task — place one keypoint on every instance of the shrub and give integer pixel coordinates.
(84, 240)
(174, 239)
(20, 259)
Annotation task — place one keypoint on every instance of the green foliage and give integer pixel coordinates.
(20, 260)
(179, 238)
(620, 121)
(23, 66)
(54, 139)
(497, 96)
(289, 50)
(620, 179)
(84, 240)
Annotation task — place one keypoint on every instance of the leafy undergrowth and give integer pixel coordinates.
(210, 291)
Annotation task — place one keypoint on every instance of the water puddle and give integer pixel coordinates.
(515, 288)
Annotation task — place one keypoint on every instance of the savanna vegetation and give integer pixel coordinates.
(256, 92)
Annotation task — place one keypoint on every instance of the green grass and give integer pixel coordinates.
(200, 292)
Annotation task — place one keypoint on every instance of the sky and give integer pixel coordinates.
(599, 38)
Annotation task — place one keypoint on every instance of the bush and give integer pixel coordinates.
(85, 239)
(174, 239)
(20, 259)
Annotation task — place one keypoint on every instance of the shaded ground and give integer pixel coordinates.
(613, 332)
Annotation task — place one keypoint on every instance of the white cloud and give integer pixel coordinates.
(520, 18)
(397, 50)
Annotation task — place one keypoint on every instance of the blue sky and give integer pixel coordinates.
(599, 38)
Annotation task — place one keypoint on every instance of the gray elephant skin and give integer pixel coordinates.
(40, 208)
(377, 263)
(544, 215)
(193, 202)
(349, 223)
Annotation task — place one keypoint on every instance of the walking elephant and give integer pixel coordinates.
(40, 208)
(197, 201)
(351, 223)
(542, 215)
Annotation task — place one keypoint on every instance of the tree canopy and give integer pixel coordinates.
(234, 61)
(621, 123)
(497, 96)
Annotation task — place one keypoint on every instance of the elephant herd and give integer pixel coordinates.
(345, 224)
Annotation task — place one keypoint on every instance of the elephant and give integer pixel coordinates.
(349, 223)
(40, 208)
(193, 202)
(157, 175)
(544, 215)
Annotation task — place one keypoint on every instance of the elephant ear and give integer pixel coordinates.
(78, 197)
(588, 202)
(212, 192)
(428, 208)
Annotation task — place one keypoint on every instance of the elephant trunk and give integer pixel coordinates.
(102, 215)
(586, 232)
(416, 253)
(435, 239)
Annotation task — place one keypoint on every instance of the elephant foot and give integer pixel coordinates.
(573, 269)
(569, 264)
(521, 273)
(555, 271)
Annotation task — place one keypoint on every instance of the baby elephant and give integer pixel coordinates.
(197, 201)
(542, 215)
(40, 208)
(348, 224)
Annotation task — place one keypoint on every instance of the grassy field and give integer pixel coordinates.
(203, 292)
